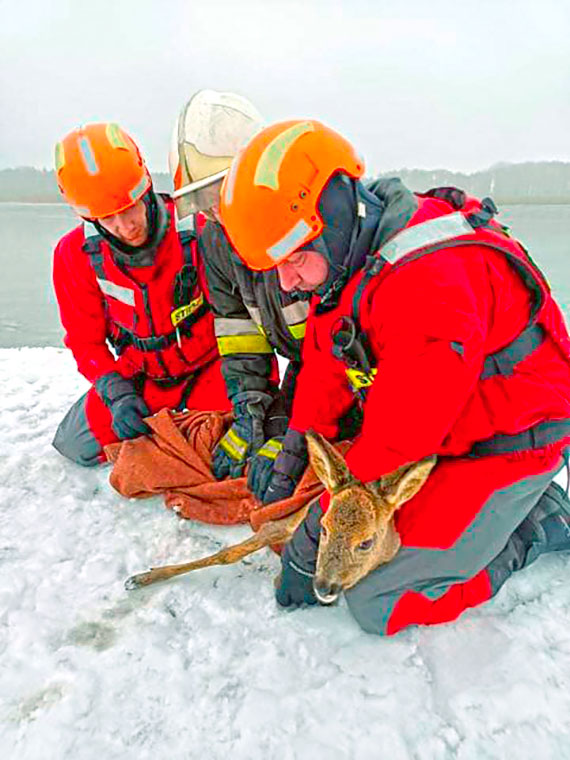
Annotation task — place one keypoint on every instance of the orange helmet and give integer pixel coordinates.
(270, 197)
(100, 170)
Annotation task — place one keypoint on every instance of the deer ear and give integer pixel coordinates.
(328, 464)
(409, 481)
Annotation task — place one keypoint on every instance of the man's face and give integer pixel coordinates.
(304, 270)
(130, 226)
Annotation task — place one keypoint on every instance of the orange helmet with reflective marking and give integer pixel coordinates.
(270, 197)
(100, 170)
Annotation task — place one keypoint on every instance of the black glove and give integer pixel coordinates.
(262, 462)
(127, 408)
(244, 436)
(294, 587)
(272, 483)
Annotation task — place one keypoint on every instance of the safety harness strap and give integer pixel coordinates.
(505, 361)
(536, 437)
(183, 317)
(412, 243)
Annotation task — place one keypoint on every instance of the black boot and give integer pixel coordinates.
(545, 529)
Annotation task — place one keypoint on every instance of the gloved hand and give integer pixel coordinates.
(278, 481)
(294, 586)
(127, 408)
(245, 435)
(262, 462)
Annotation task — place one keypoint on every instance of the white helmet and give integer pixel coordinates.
(208, 133)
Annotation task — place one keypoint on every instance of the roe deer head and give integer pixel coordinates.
(357, 531)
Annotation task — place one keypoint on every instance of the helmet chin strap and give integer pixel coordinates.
(339, 271)
(365, 225)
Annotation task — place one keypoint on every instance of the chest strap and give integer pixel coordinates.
(184, 316)
(504, 362)
(536, 437)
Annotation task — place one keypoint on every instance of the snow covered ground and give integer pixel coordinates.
(206, 666)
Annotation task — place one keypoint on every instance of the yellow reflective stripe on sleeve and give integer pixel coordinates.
(243, 344)
(298, 331)
(233, 445)
(270, 448)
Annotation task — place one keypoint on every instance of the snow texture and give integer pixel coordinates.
(206, 666)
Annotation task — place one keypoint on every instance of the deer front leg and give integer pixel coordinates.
(275, 532)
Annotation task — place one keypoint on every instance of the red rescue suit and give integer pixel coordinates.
(435, 327)
(134, 309)
(95, 305)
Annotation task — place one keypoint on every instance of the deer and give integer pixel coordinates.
(358, 532)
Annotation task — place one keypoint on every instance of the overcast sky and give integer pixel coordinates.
(459, 85)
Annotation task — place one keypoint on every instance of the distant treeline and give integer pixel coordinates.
(28, 185)
(531, 182)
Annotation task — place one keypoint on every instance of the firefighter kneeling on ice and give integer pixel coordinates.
(442, 325)
(127, 278)
(254, 319)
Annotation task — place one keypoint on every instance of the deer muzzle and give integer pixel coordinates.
(326, 593)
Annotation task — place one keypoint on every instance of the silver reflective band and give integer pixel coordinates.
(427, 233)
(224, 326)
(125, 295)
(89, 230)
(186, 224)
(255, 313)
(199, 184)
(290, 241)
(296, 312)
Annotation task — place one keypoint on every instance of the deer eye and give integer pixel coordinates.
(323, 531)
(364, 546)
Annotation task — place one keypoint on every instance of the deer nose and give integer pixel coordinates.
(326, 593)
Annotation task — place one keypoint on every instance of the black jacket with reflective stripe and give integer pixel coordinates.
(253, 317)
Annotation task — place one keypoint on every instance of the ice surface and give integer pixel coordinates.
(206, 666)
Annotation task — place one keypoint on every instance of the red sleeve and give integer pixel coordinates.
(81, 308)
(428, 336)
(322, 393)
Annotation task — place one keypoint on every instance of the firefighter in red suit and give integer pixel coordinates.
(441, 328)
(131, 296)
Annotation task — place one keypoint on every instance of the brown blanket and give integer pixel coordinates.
(175, 461)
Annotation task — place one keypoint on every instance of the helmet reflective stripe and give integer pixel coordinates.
(139, 188)
(59, 157)
(267, 170)
(424, 234)
(290, 242)
(88, 156)
(115, 137)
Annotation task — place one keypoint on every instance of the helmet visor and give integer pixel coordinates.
(199, 196)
